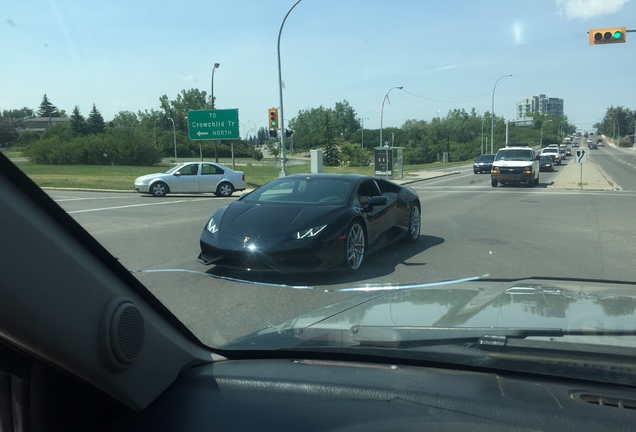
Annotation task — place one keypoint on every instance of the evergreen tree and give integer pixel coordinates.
(95, 122)
(47, 109)
(78, 123)
(332, 152)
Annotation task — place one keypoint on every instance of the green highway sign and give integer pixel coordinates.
(213, 124)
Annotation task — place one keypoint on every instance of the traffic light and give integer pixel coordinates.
(272, 133)
(273, 118)
(608, 35)
(288, 132)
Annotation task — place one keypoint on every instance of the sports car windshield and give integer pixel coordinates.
(392, 102)
(305, 189)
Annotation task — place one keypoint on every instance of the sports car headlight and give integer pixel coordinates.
(212, 227)
(311, 232)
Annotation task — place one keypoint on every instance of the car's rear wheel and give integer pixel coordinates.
(159, 189)
(415, 224)
(493, 183)
(354, 247)
(225, 189)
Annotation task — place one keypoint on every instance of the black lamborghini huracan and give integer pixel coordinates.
(310, 222)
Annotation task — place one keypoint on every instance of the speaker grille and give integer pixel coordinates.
(130, 333)
(122, 333)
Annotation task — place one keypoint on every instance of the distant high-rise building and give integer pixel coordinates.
(539, 104)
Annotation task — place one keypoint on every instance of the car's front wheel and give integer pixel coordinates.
(493, 183)
(354, 247)
(159, 189)
(224, 189)
(415, 224)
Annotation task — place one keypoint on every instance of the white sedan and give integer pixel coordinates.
(193, 177)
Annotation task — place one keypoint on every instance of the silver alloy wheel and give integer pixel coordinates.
(415, 223)
(225, 189)
(159, 189)
(355, 247)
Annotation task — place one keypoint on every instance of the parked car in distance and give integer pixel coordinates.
(193, 177)
(554, 153)
(483, 163)
(546, 163)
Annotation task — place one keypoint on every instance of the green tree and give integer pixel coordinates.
(125, 120)
(18, 114)
(332, 152)
(8, 132)
(47, 109)
(177, 109)
(78, 122)
(95, 122)
(355, 156)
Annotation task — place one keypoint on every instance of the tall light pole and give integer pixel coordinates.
(174, 134)
(216, 66)
(559, 129)
(492, 112)
(386, 97)
(216, 143)
(482, 133)
(281, 119)
(362, 119)
(627, 126)
(155, 131)
(541, 139)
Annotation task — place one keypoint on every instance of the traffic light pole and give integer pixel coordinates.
(283, 162)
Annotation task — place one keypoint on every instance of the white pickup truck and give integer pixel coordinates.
(515, 165)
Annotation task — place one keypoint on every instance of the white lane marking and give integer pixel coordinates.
(136, 205)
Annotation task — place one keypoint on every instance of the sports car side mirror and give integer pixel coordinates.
(378, 200)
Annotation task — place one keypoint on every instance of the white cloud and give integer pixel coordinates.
(584, 9)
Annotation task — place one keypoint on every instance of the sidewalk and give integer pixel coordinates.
(594, 178)
(415, 176)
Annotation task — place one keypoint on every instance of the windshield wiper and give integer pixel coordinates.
(409, 337)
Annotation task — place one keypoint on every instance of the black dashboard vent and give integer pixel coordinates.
(609, 401)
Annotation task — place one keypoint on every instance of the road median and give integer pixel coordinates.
(585, 176)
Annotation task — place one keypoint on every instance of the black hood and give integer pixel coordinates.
(272, 220)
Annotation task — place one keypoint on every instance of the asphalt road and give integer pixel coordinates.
(469, 229)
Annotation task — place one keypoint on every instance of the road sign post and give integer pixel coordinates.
(213, 124)
(581, 158)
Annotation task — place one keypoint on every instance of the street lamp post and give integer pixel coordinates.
(482, 133)
(216, 65)
(155, 131)
(559, 129)
(492, 112)
(174, 134)
(386, 97)
(216, 144)
(627, 126)
(541, 138)
(281, 119)
(362, 119)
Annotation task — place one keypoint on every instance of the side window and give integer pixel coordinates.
(369, 188)
(189, 170)
(209, 169)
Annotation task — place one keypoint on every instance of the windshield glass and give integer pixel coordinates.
(515, 155)
(374, 110)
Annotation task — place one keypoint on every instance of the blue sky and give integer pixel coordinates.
(123, 55)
